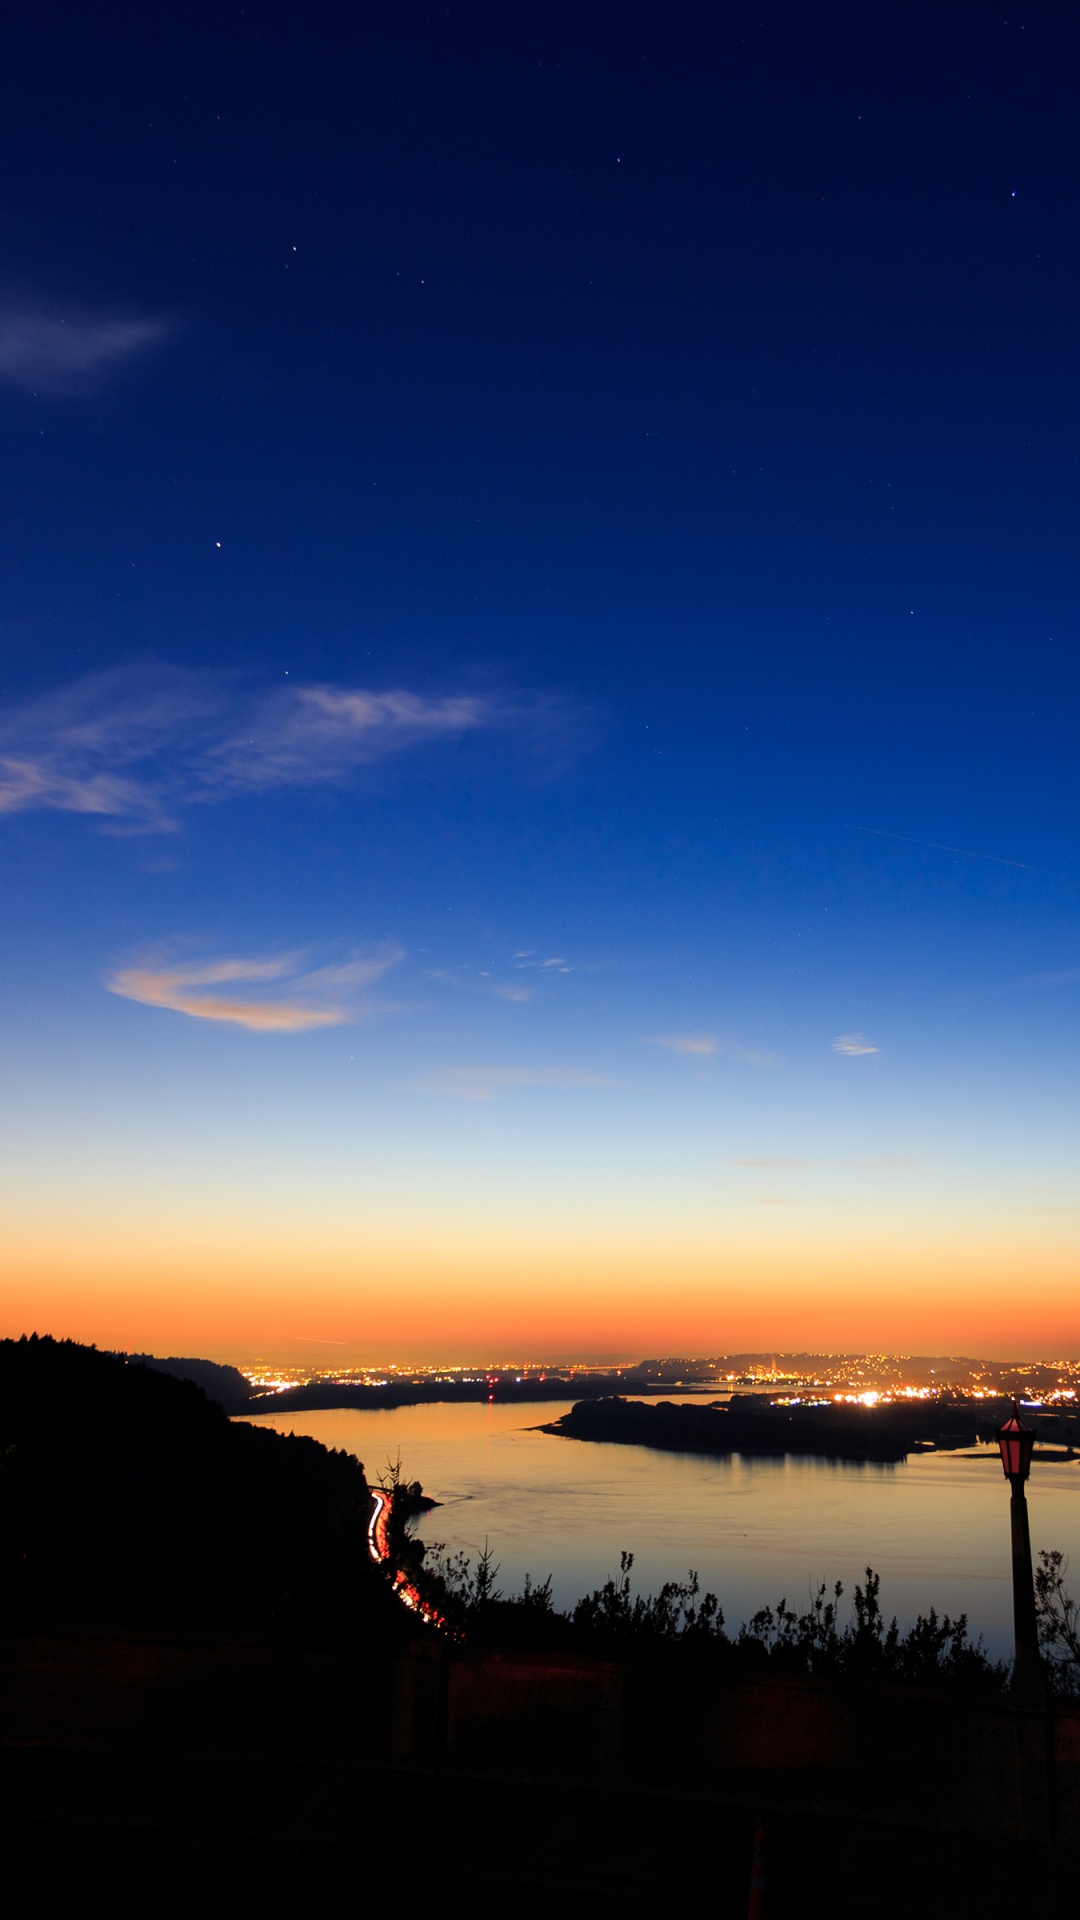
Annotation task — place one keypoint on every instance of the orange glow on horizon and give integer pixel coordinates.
(232, 1295)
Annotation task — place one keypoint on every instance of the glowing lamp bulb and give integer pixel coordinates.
(1016, 1442)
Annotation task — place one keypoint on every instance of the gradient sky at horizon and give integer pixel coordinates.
(537, 717)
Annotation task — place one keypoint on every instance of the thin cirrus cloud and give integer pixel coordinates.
(694, 1044)
(854, 1043)
(71, 354)
(700, 1046)
(331, 996)
(135, 746)
(483, 1083)
(526, 958)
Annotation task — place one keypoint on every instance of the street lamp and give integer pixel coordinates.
(1016, 1442)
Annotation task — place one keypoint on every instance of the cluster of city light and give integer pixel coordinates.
(866, 1379)
(276, 1379)
(1065, 1397)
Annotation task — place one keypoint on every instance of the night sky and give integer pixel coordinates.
(539, 670)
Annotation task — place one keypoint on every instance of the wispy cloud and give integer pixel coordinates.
(511, 990)
(312, 734)
(73, 353)
(330, 996)
(134, 746)
(483, 1083)
(700, 1046)
(854, 1043)
(556, 964)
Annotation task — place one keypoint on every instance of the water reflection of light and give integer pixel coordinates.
(753, 1528)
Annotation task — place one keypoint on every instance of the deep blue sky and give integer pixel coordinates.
(688, 393)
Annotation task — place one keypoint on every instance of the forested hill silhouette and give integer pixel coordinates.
(227, 1385)
(127, 1497)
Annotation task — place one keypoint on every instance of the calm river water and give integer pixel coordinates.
(936, 1528)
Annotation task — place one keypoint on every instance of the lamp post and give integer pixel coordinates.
(1016, 1442)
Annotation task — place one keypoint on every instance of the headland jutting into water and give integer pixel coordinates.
(865, 1428)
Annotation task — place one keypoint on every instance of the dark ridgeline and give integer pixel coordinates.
(751, 1424)
(229, 1387)
(127, 1496)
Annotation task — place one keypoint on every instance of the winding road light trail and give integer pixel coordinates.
(378, 1526)
(379, 1549)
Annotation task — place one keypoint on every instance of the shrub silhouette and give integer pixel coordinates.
(680, 1620)
(1058, 1616)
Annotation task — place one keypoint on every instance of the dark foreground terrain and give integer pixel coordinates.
(267, 1767)
(127, 1496)
(206, 1686)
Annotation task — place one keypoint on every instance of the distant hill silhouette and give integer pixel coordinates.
(227, 1385)
(126, 1496)
(500, 1387)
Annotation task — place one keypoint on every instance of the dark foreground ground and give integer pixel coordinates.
(209, 1693)
(281, 1765)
